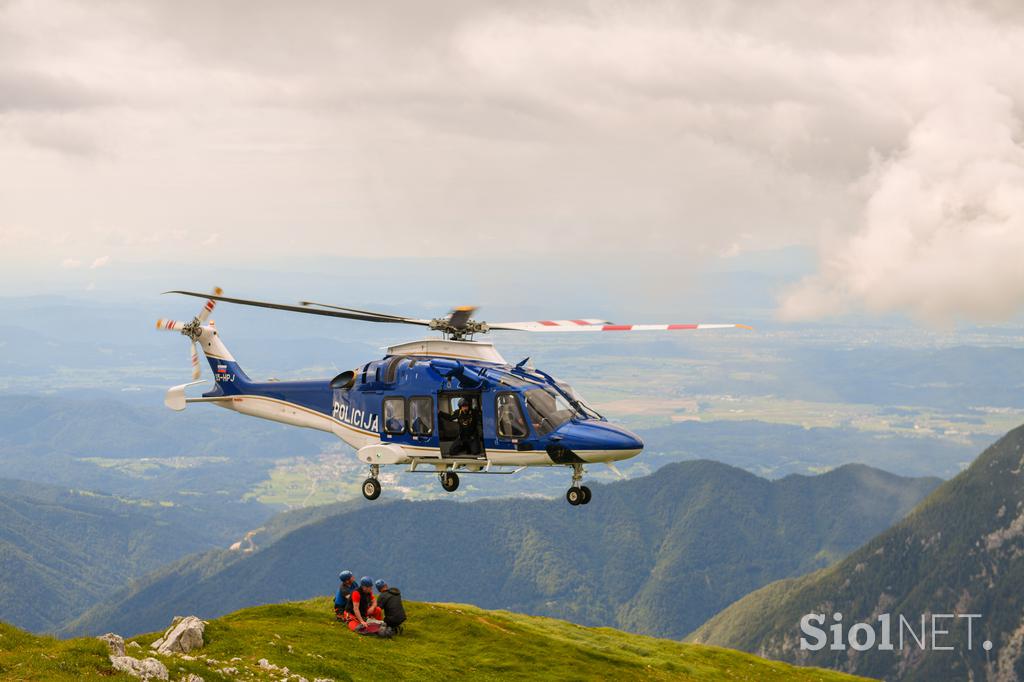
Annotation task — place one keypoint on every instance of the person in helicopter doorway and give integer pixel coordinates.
(348, 583)
(389, 599)
(468, 440)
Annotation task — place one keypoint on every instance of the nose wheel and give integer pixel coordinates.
(577, 494)
(449, 481)
(371, 486)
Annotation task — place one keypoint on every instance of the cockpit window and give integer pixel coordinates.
(547, 410)
(509, 380)
(511, 423)
(579, 403)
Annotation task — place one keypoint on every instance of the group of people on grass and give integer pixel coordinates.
(356, 605)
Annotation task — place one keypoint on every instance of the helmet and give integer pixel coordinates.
(380, 583)
(463, 402)
(366, 581)
(345, 575)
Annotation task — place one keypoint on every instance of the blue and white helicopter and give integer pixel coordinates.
(401, 409)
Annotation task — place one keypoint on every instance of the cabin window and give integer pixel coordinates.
(394, 415)
(511, 423)
(421, 416)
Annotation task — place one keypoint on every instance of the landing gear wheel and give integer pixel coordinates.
(450, 481)
(577, 494)
(371, 488)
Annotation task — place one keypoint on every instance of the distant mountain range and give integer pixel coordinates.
(961, 551)
(63, 550)
(655, 555)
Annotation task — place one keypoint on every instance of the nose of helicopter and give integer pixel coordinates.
(596, 441)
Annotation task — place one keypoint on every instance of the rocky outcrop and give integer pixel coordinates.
(184, 635)
(115, 643)
(146, 669)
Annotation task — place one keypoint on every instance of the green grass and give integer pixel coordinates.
(441, 641)
(28, 657)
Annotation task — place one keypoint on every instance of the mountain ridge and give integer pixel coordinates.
(960, 551)
(656, 555)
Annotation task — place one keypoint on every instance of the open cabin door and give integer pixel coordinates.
(448, 427)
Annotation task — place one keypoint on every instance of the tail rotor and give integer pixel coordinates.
(192, 329)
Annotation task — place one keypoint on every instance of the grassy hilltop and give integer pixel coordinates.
(441, 641)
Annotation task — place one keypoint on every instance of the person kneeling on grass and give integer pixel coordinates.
(361, 605)
(348, 583)
(390, 601)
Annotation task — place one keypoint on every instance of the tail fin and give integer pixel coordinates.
(228, 375)
(201, 331)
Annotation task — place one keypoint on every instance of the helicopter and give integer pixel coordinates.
(415, 406)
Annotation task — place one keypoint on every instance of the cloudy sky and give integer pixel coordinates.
(886, 136)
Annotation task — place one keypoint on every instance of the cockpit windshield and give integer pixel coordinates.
(585, 410)
(547, 409)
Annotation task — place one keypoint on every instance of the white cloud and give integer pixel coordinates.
(596, 129)
(71, 263)
(942, 235)
(100, 262)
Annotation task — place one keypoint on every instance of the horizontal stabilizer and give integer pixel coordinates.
(175, 397)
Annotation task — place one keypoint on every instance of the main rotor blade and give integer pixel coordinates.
(583, 326)
(396, 318)
(349, 315)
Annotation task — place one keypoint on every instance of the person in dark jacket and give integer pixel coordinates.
(348, 583)
(389, 600)
(468, 440)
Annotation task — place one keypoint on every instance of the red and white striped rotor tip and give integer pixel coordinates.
(591, 325)
(208, 307)
(169, 325)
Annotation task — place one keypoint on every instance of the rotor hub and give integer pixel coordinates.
(193, 330)
(463, 332)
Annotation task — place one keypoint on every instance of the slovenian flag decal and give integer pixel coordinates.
(222, 369)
